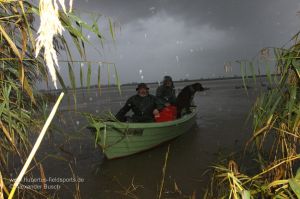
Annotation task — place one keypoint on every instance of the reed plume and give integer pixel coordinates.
(50, 26)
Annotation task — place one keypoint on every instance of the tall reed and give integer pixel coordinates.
(275, 137)
(35, 147)
(21, 69)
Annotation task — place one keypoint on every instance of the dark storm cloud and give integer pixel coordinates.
(221, 14)
(191, 38)
(123, 11)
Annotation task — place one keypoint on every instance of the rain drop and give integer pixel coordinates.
(141, 71)
(178, 42)
(177, 59)
(77, 122)
(152, 8)
(91, 99)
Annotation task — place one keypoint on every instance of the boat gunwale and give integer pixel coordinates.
(127, 125)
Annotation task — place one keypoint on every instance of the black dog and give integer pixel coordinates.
(185, 97)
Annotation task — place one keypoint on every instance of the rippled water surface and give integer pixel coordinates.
(220, 128)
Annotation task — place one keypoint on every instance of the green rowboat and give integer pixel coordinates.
(119, 139)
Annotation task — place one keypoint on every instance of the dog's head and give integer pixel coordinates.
(198, 87)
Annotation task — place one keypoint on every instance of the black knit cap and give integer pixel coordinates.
(167, 78)
(142, 85)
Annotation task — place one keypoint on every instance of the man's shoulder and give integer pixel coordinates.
(152, 96)
(133, 97)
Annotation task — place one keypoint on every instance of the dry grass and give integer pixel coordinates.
(275, 138)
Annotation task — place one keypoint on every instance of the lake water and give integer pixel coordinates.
(220, 129)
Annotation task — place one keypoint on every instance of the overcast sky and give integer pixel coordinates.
(188, 39)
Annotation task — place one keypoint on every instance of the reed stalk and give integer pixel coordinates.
(36, 146)
(1, 187)
(163, 173)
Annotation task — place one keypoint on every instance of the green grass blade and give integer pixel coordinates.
(108, 74)
(243, 76)
(111, 28)
(295, 186)
(73, 84)
(61, 81)
(88, 75)
(99, 78)
(72, 77)
(117, 79)
(10, 42)
(252, 71)
(268, 71)
(28, 28)
(81, 75)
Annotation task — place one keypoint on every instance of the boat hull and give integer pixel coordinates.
(124, 139)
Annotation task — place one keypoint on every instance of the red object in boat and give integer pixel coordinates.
(167, 114)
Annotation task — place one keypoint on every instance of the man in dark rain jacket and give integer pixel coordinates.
(143, 105)
(166, 92)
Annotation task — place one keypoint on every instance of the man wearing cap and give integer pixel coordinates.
(166, 92)
(143, 105)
